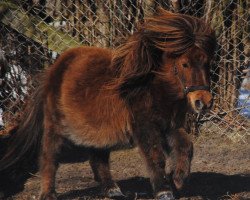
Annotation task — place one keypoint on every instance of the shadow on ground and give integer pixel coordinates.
(206, 185)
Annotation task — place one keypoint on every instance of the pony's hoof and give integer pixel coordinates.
(179, 178)
(178, 183)
(114, 192)
(48, 196)
(165, 195)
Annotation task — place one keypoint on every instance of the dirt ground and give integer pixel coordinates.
(220, 170)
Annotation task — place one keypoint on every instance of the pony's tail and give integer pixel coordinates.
(24, 141)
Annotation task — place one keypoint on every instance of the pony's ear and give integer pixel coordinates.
(138, 64)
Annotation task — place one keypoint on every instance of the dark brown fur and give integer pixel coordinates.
(98, 98)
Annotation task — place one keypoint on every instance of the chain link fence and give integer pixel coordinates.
(34, 32)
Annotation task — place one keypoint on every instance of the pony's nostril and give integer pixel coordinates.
(210, 104)
(199, 105)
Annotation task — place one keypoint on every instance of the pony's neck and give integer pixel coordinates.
(133, 64)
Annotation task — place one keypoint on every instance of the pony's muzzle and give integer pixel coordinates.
(201, 106)
(200, 100)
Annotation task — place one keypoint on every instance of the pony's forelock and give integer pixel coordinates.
(177, 33)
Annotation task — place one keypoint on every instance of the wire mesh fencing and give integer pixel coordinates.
(34, 32)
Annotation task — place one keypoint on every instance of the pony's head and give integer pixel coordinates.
(173, 48)
(188, 77)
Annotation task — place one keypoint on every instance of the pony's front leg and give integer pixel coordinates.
(99, 162)
(150, 144)
(51, 144)
(182, 148)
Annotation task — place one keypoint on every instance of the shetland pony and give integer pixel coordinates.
(142, 90)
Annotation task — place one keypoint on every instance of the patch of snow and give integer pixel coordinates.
(58, 24)
(54, 55)
(1, 117)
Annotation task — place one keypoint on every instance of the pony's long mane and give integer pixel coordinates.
(135, 61)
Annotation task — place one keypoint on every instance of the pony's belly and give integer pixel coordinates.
(91, 137)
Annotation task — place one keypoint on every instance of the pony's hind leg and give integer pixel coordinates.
(99, 162)
(51, 144)
(182, 150)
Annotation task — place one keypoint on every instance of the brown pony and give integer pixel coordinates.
(142, 90)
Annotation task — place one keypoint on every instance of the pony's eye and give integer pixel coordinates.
(185, 65)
